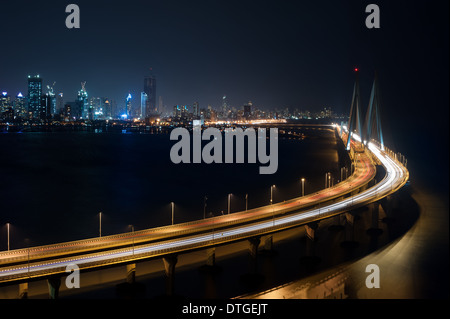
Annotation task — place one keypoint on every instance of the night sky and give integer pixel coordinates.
(274, 53)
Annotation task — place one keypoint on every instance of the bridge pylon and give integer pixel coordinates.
(354, 121)
(372, 123)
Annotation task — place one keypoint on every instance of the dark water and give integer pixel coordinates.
(53, 185)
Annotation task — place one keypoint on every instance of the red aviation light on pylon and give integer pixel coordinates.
(356, 69)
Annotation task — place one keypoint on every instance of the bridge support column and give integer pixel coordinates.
(131, 273)
(311, 238)
(211, 257)
(54, 282)
(350, 218)
(268, 243)
(253, 251)
(310, 260)
(23, 290)
(253, 278)
(374, 230)
(210, 267)
(169, 267)
(311, 230)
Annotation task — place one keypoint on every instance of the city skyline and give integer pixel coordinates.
(87, 107)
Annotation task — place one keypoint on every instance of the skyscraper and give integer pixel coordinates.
(144, 99)
(248, 110)
(52, 96)
(45, 110)
(225, 106)
(6, 109)
(150, 90)
(20, 106)
(59, 102)
(34, 95)
(128, 106)
(107, 108)
(5, 102)
(83, 102)
(196, 112)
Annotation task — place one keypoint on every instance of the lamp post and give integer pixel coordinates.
(246, 202)
(229, 198)
(100, 224)
(172, 204)
(271, 202)
(303, 186)
(7, 229)
(271, 194)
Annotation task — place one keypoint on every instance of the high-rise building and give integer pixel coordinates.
(196, 112)
(128, 106)
(144, 98)
(107, 108)
(224, 105)
(5, 102)
(59, 102)
(83, 103)
(20, 109)
(52, 97)
(150, 90)
(96, 104)
(45, 111)
(34, 96)
(248, 110)
(6, 108)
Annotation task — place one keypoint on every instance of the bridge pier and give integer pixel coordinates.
(54, 282)
(253, 251)
(350, 220)
(311, 230)
(169, 267)
(210, 266)
(374, 230)
(131, 273)
(310, 260)
(130, 289)
(23, 290)
(253, 278)
(211, 257)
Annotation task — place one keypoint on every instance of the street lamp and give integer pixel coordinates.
(7, 229)
(100, 222)
(229, 198)
(246, 202)
(172, 204)
(303, 186)
(271, 194)
(271, 202)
